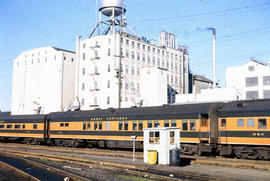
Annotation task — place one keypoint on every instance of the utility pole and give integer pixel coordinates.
(120, 60)
(214, 57)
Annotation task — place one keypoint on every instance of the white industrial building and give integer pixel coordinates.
(112, 67)
(99, 66)
(43, 81)
(251, 79)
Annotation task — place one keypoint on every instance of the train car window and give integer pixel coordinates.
(150, 124)
(250, 123)
(140, 125)
(95, 126)
(66, 124)
(192, 125)
(2, 126)
(223, 122)
(262, 124)
(240, 123)
(184, 125)
(100, 125)
(62, 124)
(166, 124)
(9, 126)
(17, 126)
(173, 123)
(88, 126)
(107, 126)
(84, 126)
(156, 124)
(23, 126)
(126, 125)
(120, 126)
(35, 126)
(134, 125)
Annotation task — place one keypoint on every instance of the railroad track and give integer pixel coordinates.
(217, 161)
(111, 166)
(33, 171)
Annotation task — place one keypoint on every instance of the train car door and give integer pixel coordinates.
(204, 128)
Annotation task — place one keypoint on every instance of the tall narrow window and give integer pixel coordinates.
(185, 125)
(140, 125)
(126, 125)
(83, 71)
(109, 68)
(150, 124)
(109, 52)
(134, 125)
(108, 100)
(108, 84)
(83, 86)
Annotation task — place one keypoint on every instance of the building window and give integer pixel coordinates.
(251, 81)
(82, 102)
(64, 58)
(250, 123)
(266, 94)
(126, 69)
(132, 43)
(109, 52)
(223, 122)
(127, 42)
(138, 45)
(138, 56)
(132, 55)
(83, 86)
(108, 100)
(108, 84)
(252, 95)
(83, 71)
(251, 68)
(266, 80)
(262, 124)
(83, 56)
(154, 137)
(192, 125)
(240, 123)
(96, 53)
(84, 45)
(109, 41)
(132, 70)
(185, 125)
(148, 59)
(148, 48)
(109, 68)
(143, 47)
(17, 64)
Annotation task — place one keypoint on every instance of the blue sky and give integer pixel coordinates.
(243, 30)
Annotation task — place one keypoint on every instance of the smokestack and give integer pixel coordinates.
(214, 55)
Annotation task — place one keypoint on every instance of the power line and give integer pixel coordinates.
(203, 14)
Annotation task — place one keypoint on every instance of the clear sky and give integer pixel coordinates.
(243, 30)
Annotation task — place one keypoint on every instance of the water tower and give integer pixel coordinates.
(111, 17)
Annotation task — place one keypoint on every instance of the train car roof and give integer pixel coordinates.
(22, 117)
(193, 110)
(246, 108)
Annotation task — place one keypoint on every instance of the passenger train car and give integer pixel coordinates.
(244, 129)
(238, 128)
